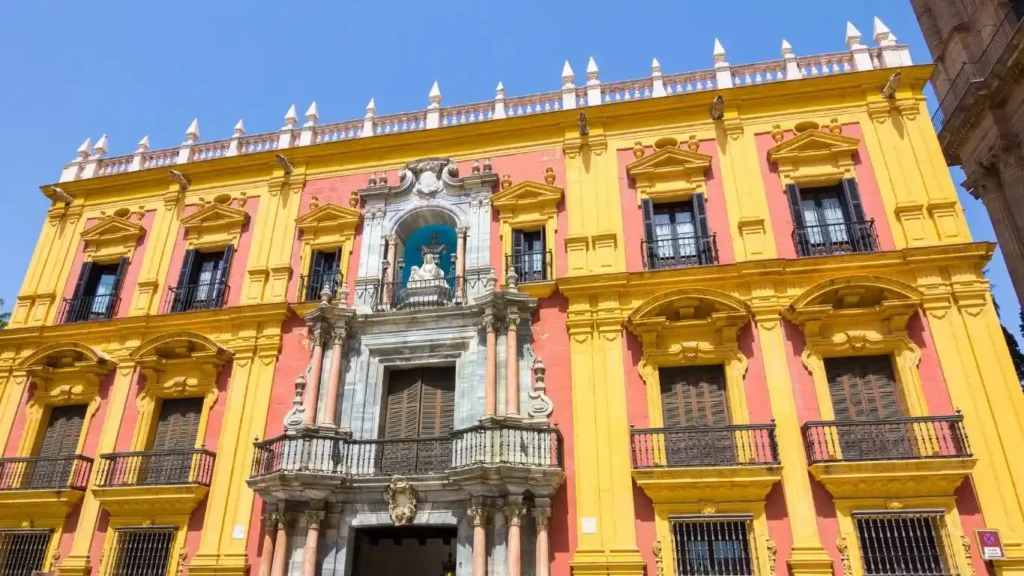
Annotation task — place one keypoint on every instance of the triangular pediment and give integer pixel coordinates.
(113, 229)
(527, 194)
(215, 215)
(668, 161)
(329, 216)
(813, 143)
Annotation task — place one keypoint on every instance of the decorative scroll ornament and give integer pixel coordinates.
(966, 543)
(401, 499)
(773, 551)
(540, 405)
(295, 417)
(659, 566)
(844, 555)
(429, 175)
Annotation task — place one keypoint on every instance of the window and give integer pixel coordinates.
(529, 257)
(676, 234)
(141, 551)
(324, 269)
(59, 446)
(202, 282)
(419, 415)
(23, 552)
(712, 546)
(174, 444)
(906, 543)
(693, 399)
(96, 292)
(830, 219)
(864, 396)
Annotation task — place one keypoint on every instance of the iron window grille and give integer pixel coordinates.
(717, 545)
(141, 551)
(23, 552)
(905, 543)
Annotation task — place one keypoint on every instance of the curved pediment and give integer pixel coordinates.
(329, 218)
(812, 144)
(689, 310)
(855, 304)
(858, 291)
(112, 236)
(527, 195)
(179, 345)
(65, 355)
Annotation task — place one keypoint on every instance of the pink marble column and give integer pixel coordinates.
(460, 262)
(491, 378)
(389, 278)
(312, 396)
(334, 377)
(512, 365)
(313, 519)
(267, 554)
(280, 564)
(542, 516)
(479, 516)
(514, 515)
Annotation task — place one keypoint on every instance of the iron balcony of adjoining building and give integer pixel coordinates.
(192, 297)
(311, 285)
(838, 238)
(88, 308)
(704, 446)
(155, 468)
(683, 252)
(972, 74)
(320, 462)
(531, 266)
(45, 473)
(894, 439)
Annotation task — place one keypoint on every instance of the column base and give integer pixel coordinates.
(608, 563)
(74, 566)
(203, 565)
(809, 562)
(1013, 564)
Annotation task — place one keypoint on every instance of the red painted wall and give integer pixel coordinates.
(936, 394)
(714, 197)
(778, 204)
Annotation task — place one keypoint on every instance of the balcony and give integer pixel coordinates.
(833, 239)
(310, 285)
(88, 308)
(192, 297)
(312, 465)
(903, 457)
(419, 294)
(713, 463)
(682, 252)
(535, 272)
(173, 481)
(43, 486)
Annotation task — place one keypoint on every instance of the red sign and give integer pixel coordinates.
(991, 544)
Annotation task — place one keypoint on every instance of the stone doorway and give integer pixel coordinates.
(406, 550)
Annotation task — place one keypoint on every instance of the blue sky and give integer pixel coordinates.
(73, 70)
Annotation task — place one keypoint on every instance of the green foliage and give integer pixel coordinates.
(5, 317)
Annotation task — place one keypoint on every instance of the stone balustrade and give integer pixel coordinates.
(91, 161)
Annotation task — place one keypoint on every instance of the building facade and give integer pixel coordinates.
(719, 322)
(976, 45)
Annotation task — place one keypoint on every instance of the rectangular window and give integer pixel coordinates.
(696, 411)
(142, 551)
(23, 552)
(676, 234)
(714, 546)
(905, 543)
(172, 457)
(324, 270)
(96, 294)
(203, 280)
(529, 256)
(830, 219)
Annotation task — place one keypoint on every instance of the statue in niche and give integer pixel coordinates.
(430, 272)
(433, 248)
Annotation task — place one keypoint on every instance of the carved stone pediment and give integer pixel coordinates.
(214, 224)
(427, 178)
(402, 501)
(670, 174)
(526, 196)
(813, 142)
(328, 219)
(112, 236)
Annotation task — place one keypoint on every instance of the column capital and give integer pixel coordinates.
(542, 516)
(462, 232)
(489, 323)
(478, 514)
(512, 320)
(514, 514)
(270, 522)
(285, 519)
(314, 518)
(339, 333)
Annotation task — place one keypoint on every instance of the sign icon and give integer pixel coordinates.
(991, 544)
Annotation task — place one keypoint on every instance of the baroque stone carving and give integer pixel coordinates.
(844, 555)
(540, 405)
(966, 543)
(296, 416)
(402, 501)
(429, 175)
(659, 567)
(773, 551)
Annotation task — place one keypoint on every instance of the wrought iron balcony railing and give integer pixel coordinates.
(155, 468)
(88, 308)
(531, 266)
(839, 238)
(45, 473)
(682, 252)
(208, 296)
(895, 439)
(310, 285)
(474, 446)
(705, 446)
(420, 294)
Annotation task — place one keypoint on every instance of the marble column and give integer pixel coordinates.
(490, 378)
(309, 402)
(479, 516)
(460, 262)
(313, 519)
(280, 563)
(267, 554)
(389, 276)
(542, 516)
(512, 364)
(334, 377)
(514, 514)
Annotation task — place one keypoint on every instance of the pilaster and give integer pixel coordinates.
(594, 236)
(158, 258)
(269, 267)
(56, 264)
(746, 202)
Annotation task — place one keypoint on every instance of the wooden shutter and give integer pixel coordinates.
(179, 424)
(401, 419)
(185, 275)
(795, 205)
(694, 396)
(63, 431)
(700, 215)
(863, 388)
(83, 280)
(115, 290)
(854, 208)
(221, 278)
(437, 406)
(517, 243)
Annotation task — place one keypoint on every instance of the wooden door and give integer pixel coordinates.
(695, 408)
(420, 405)
(60, 442)
(864, 390)
(172, 457)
